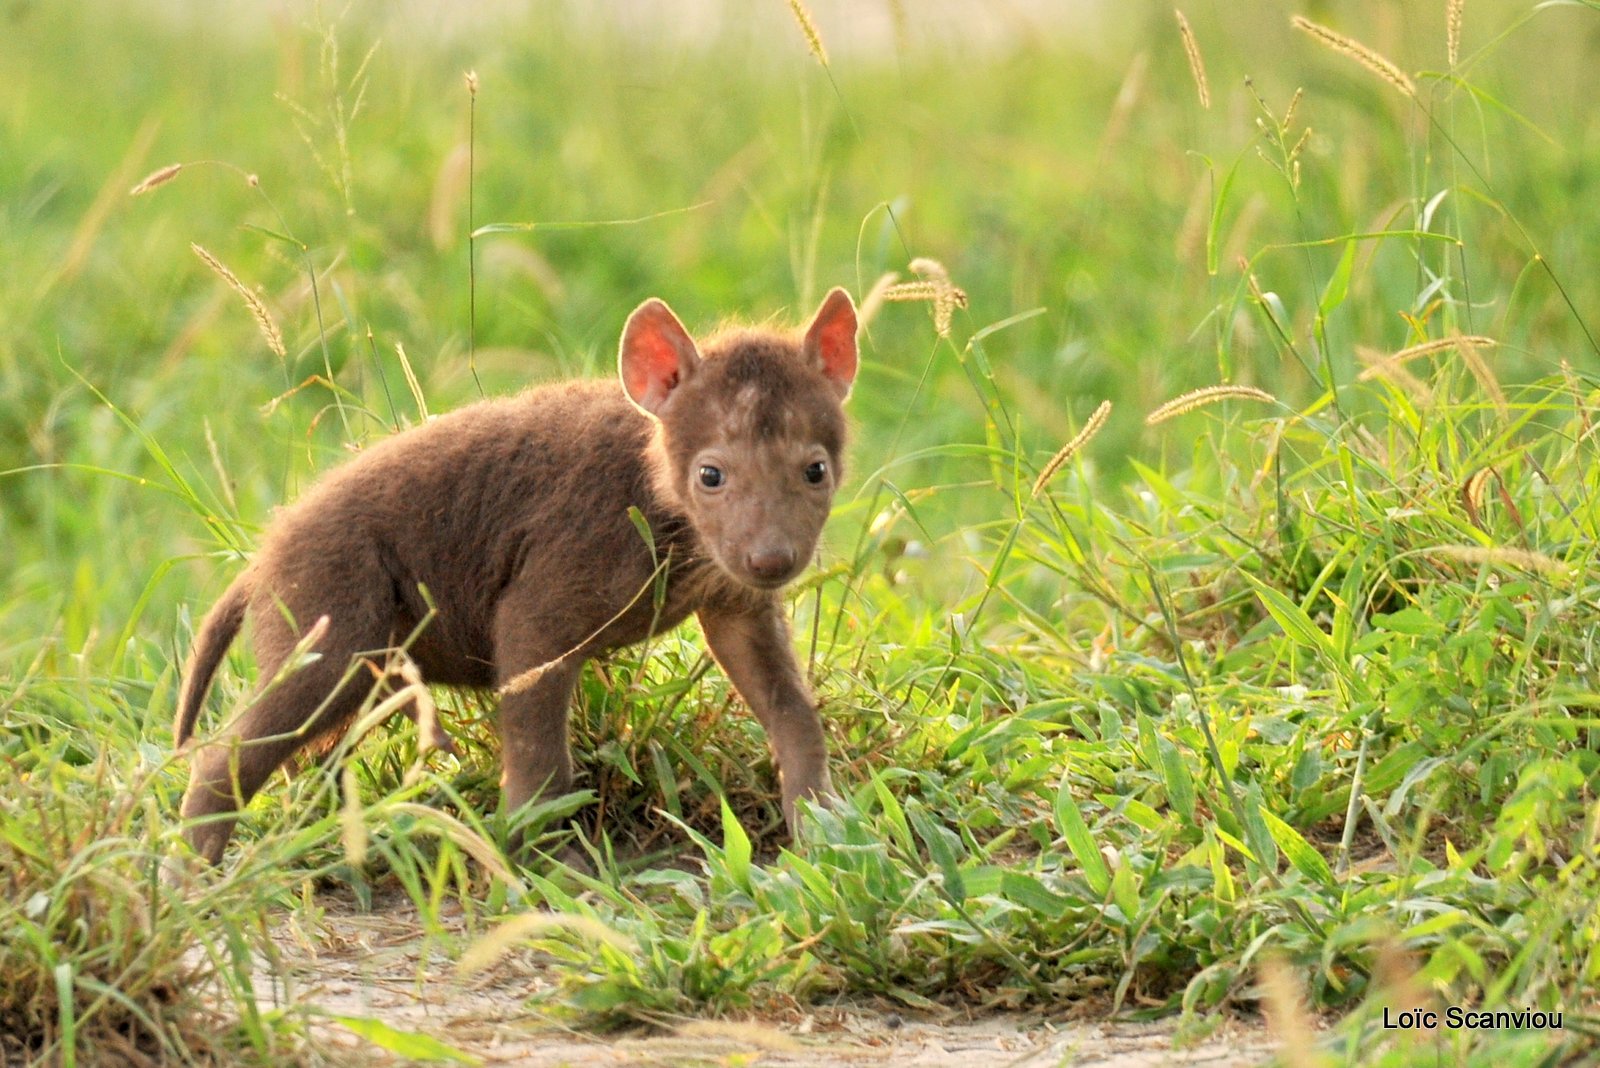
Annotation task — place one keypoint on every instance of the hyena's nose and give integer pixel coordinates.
(770, 563)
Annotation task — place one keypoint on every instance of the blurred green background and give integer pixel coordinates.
(1308, 675)
(1053, 156)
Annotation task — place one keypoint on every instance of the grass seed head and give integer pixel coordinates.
(1199, 398)
(936, 287)
(1288, 112)
(1367, 57)
(1500, 555)
(1426, 348)
(808, 27)
(1197, 66)
(1070, 449)
(258, 310)
(156, 178)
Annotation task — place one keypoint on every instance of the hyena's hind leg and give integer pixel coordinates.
(296, 707)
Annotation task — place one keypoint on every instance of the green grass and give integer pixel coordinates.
(1307, 679)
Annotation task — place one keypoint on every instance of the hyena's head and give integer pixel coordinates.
(751, 430)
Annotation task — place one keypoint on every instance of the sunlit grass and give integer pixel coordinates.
(1287, 654)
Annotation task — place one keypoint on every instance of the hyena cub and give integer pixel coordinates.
(511, 519)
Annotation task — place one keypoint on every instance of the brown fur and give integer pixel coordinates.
(510, 517)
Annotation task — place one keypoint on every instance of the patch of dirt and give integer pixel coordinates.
(375, 965)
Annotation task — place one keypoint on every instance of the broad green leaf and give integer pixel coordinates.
(1033, 895)
(1338, 286)
(1433, 925)
(1255, 829)
(1080, 842)
(1180, 785)
(1306, 860)
(1412, 621)
(1142, 815)
(1418, 773)
(942, 844)
(1292, 618)
(411, 1045)
(1234, 844)
(1222, 886)
(894, 815)
(1218, 205)
(735, 849)
(1125, 892)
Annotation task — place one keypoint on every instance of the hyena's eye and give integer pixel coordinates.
(710, 477)
(816, 472)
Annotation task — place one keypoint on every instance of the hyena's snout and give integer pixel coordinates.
(773, 562)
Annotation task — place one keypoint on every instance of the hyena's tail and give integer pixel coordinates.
(217, 632)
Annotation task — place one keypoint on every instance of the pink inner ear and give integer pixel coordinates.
(652, 365)
(654, 350)
(832, 337)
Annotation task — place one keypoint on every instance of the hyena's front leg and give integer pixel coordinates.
(754, 650)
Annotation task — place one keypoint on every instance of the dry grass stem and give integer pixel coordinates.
(1452, 41)
(1526, 559)
(1473, 492)
(465, 838)
(1197, 66)
(1397, 977)
(472, 82)
(808, 27)
(497, 943)
(161, 177)
(93, 221)
(405, 700)
(1290, 1024)
(424, 712)
(1127, 100)
(411, 382)
(901, 25)
(352, 820)
(1479, 367)
(1380, 366)
(1070, 449)
(1426, 348)
(528, 679)
(744, 1032)
(449, 195)
(1199, 398)
(872, 303)
(1349, 46)
(258, 310)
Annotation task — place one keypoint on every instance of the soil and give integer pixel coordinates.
(375, 964)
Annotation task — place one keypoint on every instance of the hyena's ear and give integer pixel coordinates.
(831, 340)
(657, 355)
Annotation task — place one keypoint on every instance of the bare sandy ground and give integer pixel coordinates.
(375, 965)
